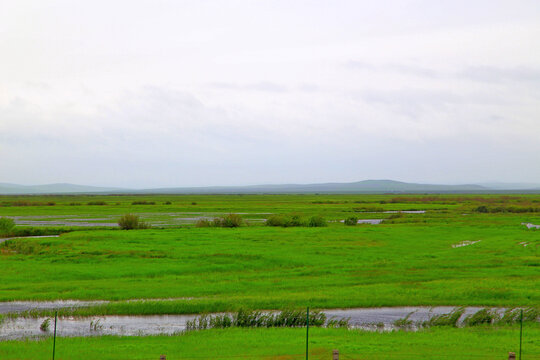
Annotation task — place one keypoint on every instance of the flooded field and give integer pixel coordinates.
(155, 218)
(375, 319)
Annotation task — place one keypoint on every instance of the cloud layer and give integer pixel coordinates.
(207, 93)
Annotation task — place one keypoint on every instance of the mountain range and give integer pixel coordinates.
(365, 186)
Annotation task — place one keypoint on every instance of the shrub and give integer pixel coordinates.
(296, 220)
(143, 202)
(6, 225)
(74, 204)
(130, 222)
(167, 203)
(285, 221)
(230, 221)
(316, 221)
(202, 222)
(97, 203)
(482, 209)
(351, 221)
(194, 203)
(277, 220)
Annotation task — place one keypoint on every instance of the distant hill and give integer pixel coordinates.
(359, 187)
(12, 189)
(366, 186)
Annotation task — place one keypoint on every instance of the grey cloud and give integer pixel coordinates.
(358, 64)
(492, 74)
(264, 86)
(308, 87)
(432, 98)
(267, 86)
(400, 68)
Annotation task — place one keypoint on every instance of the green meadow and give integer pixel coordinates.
(410, 259)
(470, 250)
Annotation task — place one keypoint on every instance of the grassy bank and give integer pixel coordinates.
(271, 268)
(437, 343)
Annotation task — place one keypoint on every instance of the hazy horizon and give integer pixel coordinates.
(143, 94)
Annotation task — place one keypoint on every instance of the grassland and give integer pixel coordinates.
(437, 343)
(408, 260)
(456, 253)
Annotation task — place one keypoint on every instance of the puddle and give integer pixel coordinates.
(370, 318)
(395, 212)
(405, 211)
(63, 223)
(374, 319)
(367, 221)
(465, 243)
(95, 326)
(84, 220)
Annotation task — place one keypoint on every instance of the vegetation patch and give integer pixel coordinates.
(254, 319)
(131, 222)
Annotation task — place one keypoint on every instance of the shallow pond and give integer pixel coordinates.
(370, 319)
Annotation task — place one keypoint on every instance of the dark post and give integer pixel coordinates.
(307, 332)
(54, 337)
(520, 332)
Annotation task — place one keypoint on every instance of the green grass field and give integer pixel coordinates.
(437, 343)
(410, 259)
(268, 267)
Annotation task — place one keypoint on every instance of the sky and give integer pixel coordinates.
(195, 93)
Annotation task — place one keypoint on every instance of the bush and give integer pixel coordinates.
(167, 203)
(6, 225)
(203, 223)
(130, 222)
(229, 221)
(482, 209)
(143, 202)
(278, 220)
(316, 221)
(285, 221)
(97, 203)
(351, 221)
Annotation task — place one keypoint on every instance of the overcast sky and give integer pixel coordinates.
(192, 93)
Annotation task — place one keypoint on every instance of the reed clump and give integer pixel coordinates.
(259, 319)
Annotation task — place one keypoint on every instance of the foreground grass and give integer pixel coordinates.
(273, 268)
(436, 343)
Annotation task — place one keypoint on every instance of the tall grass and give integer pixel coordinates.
(254, 319)
(131, 222)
